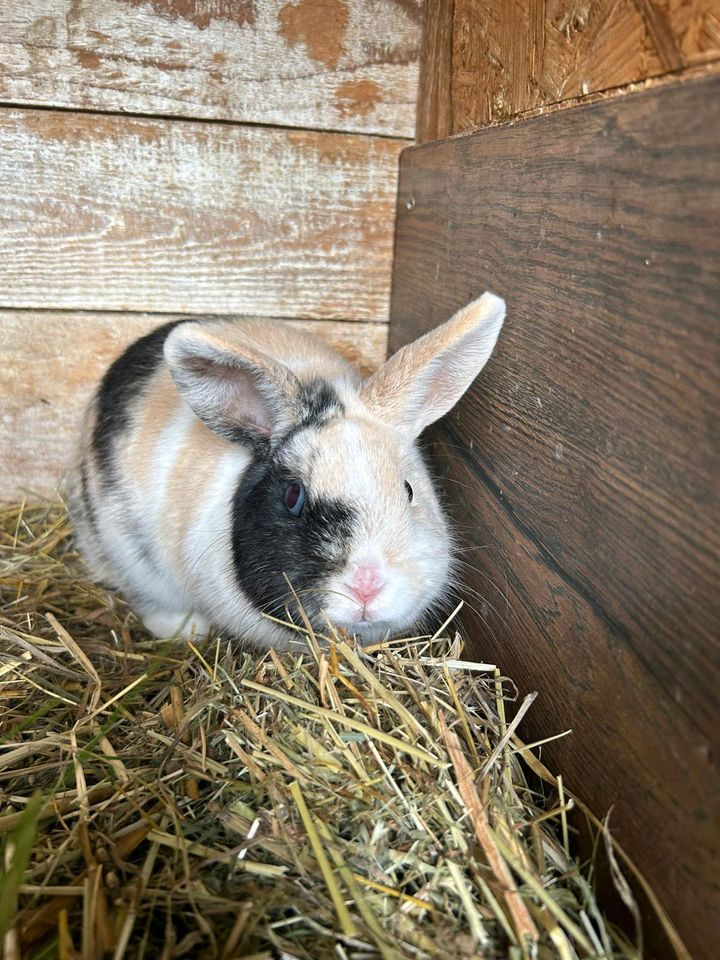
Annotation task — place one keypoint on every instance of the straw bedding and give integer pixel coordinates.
(204, 801)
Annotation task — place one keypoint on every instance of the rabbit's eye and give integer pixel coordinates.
(295, 498)
(409, 492)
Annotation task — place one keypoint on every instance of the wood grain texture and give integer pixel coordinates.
(53, 360)
(325, 64)
(435, 101)
(512, 59)
(587, 456)
(113, 213)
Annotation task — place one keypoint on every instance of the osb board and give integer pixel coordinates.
(582, 469)
(117, 213)
(329, 64)
(52, 361)
(508, 59)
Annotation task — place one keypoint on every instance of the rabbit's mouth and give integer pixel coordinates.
(358, 621)
(372, 608)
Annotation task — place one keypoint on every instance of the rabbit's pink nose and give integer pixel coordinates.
(366, 584)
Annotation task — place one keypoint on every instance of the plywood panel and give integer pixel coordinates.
(509, 59)
(51, 362)
(102, 212)
(588, 455)
(329, 64)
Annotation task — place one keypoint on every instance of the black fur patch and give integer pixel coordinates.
(318, 402)
(120, 385)
(269, 542)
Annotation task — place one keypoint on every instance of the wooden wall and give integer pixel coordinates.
(340, 65)
(582, 470)
(163, 158)
(487, 61)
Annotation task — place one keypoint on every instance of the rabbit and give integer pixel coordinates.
(234, 468)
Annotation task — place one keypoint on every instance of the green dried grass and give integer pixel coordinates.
(186, 801)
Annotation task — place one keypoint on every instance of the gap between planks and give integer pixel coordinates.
(210, 121)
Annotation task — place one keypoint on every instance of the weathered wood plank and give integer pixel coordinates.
(51, 362)
(113, 213)
(510, 59)
(325, 64)
(588, 455)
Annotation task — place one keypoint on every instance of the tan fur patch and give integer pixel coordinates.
(186, 491)
(159, 404)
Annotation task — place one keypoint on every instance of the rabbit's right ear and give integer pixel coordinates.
(425, 379)
(241, 394)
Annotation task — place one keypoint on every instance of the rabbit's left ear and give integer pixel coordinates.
(240, 393)
(426, 378)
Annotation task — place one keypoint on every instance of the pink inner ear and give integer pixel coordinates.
(223, 393)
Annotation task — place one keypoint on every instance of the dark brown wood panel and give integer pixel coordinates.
(584, 467)
(486, 61)
(435, 101)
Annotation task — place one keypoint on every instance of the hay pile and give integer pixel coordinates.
(181, 801)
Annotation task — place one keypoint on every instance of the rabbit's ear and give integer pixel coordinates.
(425, 379)
(241, 394)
